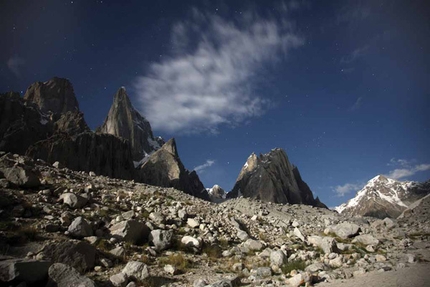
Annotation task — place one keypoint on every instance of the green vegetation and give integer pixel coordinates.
(293, 265)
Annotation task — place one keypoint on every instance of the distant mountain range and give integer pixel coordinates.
(47, 124)
(384, 197)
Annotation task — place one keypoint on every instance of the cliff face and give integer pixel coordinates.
(164, 168)
(20, 125)
(103, 154)
(56, 96)
(125, 122)
(271, 177)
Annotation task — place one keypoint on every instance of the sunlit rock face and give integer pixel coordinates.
(126, 122)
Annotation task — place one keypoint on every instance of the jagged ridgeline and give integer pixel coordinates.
(271, 177)
(47, 124)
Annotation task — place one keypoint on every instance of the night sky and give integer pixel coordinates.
(342, 86)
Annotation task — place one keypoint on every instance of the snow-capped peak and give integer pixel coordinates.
(379, 191)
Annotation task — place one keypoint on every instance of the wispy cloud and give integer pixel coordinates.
(342, 190)
(15, 64)
(212, 72)
(357, 104)
(354, 55)
(353, 12)
(401, 173)
(202, 167)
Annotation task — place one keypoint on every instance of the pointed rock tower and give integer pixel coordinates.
(271, 177)
(125, 122)
(164, 168)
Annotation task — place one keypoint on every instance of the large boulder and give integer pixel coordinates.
(162, 239)
(327, 244)
(62, 275)
(78, 254)
(80, 228)
(73, 200)
(136, 270)
(346, 230)
(26, 270)
(132, 231)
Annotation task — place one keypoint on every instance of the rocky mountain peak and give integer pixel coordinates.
(55, 95)
(126, 122)
(170, 146)
(271, 177)
(384, 197)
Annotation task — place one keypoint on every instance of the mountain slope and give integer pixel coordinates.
(271, 177)
(125, 122)
(164, 168)
(384, 197)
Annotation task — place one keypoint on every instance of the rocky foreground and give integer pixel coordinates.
(60, 227)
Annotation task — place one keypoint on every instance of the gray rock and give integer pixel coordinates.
(156, 217)
(77, 254)
(119, 280)
(73, 200)
(299, 234)
(26, 270)
(327, 244)
(315, 267)
(278, 258)
(118, 251)
(346, 230)
(254, 245)
(366, 239)
(136, 270)
(132, 231)
(262, 272)
(193, 223)
(242, 235)
(62, 275)
(21, 176)
(80, 228)
(162, 239)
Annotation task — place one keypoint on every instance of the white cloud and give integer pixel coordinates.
(14, 64)
(341, 190)
(357, 104)
(202, 167)
(407, 169)
(400, 162)
(210, 77)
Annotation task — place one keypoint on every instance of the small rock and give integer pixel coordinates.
(136, 270)
(119, 280)
(170, 269)
(192, 222)
(80, 228)
(254, 245)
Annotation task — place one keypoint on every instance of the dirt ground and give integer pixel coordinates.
(414, 276)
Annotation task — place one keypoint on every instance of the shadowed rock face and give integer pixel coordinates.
(125, 122)
(103, 154)
(271, 177)
(20, 125)
(164, 168)
(56, 96)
